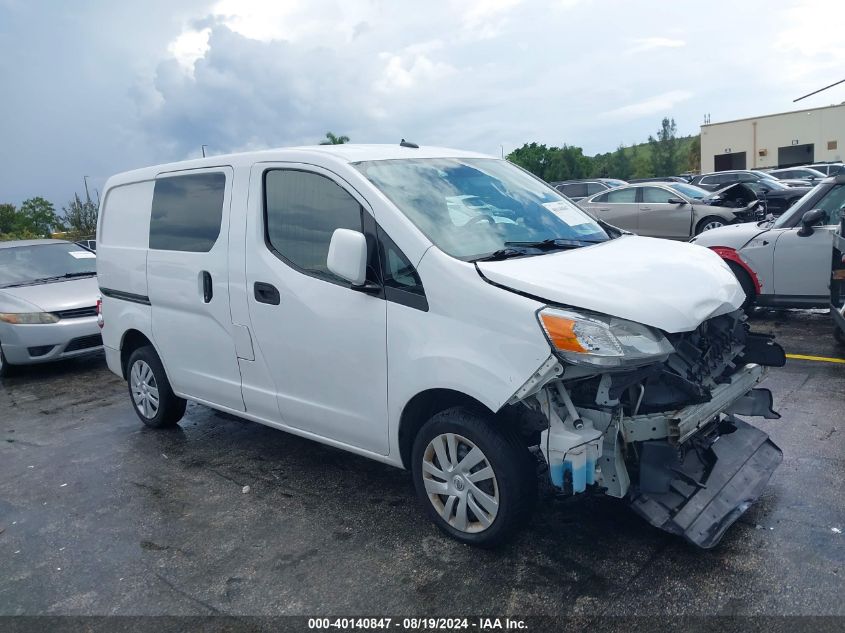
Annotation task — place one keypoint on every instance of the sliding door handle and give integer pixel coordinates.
(207, 287)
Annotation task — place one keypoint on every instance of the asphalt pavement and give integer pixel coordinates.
(101, 516)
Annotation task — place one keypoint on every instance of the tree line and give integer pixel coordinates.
(665, 154)
(37, 218)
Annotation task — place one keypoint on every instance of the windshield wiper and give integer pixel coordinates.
(41, 280)
(556, 242)
(502, 253)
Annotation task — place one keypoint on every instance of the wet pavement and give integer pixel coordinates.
(99, 515)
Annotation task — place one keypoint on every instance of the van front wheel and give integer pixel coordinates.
(149, 390)
(476, 481)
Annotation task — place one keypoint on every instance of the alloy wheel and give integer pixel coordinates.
(713, 224)
(460, 483)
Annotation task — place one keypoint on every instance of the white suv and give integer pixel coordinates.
(341, 294)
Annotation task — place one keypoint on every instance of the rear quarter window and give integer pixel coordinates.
(125, 215)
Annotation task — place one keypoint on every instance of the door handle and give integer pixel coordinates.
(266, 293)
(207, 288)
(603, 209)
(645, 208)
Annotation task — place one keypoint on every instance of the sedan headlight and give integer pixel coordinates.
(28, 318)
(602, 341)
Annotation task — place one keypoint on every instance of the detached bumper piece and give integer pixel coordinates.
(698, 491)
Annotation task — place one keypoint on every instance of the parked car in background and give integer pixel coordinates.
(837, 283)
(785, 262)
(776, 196)
(577, 189)
(662, 210)
(48, 302)
(798, 173)
(721, 179)
(91, 245)
(658, 179)
(829, 169)
(330, 292)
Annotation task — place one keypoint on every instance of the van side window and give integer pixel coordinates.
(186, 212)
(301, 212)
(401, 282)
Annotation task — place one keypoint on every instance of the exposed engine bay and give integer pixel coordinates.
(745, 202)
(665, 435)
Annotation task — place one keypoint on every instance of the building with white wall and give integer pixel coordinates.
(774, 140)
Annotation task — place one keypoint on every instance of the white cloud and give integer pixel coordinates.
(408, 71)
(661, 104)
(651, 43)
(189, 47)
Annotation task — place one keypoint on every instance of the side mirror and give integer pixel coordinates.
(348, 256)
(675, 201)
(809, 220)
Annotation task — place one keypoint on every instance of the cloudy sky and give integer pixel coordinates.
(96, 87)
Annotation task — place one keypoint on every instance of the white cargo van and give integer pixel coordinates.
(444, 312)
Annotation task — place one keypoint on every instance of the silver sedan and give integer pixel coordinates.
(48, 302)
(671, 210)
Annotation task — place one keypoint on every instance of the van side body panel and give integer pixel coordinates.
(477, 339)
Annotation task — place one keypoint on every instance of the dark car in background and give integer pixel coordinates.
(837, 283)
(798, 173)
(721, 179)
(578, 189)
(777, 197)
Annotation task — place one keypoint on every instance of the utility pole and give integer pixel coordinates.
(503, 150)
(203, 150)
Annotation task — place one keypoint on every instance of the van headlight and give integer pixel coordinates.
(602, 341)
(28, 318)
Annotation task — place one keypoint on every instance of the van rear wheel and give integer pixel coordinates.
(476, 481)
(149, 390)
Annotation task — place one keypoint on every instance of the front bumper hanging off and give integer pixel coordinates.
(700, 492)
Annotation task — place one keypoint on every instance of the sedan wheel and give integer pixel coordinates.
(460, 483)
(5, 368)
(144, 389)
(709, 223)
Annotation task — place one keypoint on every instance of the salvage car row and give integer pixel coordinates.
(517, 329)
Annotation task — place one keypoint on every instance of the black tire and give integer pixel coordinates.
(512, 464)
(747, 284)
(170, 408)
(699, 228)
(5, 368)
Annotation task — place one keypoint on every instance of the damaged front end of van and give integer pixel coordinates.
(651, 417)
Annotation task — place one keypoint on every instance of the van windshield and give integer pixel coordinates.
(473, 207)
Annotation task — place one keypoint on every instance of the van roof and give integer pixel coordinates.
(344, 153)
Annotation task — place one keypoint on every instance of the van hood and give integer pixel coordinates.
(672, 286)
(51, 296)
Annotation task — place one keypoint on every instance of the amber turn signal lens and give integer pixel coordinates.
(561, 332)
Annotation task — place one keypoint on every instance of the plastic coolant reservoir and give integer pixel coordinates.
(573, 451)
